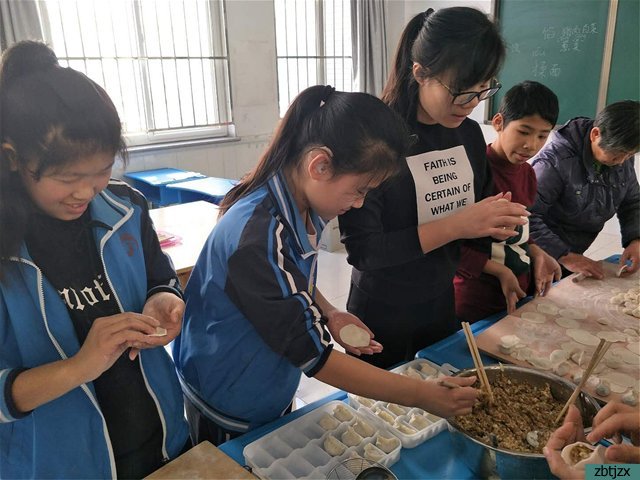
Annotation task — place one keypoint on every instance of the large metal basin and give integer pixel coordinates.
(487, 461)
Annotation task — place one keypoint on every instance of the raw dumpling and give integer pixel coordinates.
(412, 373)
(397, 409)
(387, 445)
(342, 414)
(384, 415)
(419, 421)
(351, 438)
(363, 428)
(365, 402)
(578, 454)
(427, 369)
(404, 428)
(333, 446)
(328, 422)
(373, 453)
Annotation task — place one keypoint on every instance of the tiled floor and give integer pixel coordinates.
(333, 281)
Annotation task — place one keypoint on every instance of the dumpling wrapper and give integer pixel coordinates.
(363, 428)
(355, 336)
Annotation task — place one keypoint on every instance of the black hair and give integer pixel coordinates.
(460, 40)
(529, 98)
(363, 134)
(50, 117)
(619, 125)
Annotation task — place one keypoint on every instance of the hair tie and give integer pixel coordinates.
(326, 93)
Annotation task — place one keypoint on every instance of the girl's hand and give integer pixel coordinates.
(168, 309)
(493, 217)
(510, 289)
(336, 319)
(546, 270)
(448, 402)
(613, 420)
(109, 337)
(631, 254)
(570, 432)
(576, 263)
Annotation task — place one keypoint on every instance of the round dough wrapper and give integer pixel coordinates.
(619, 378)
(611, 336)
(355, 336)
(583, 337)
(575, 313)
(626, 355)
(533, 317)
(567, 322)
(548, 308)
(634, 347)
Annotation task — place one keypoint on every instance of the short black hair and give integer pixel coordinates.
(619, 125)
(529, 98)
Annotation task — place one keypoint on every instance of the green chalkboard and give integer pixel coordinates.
(559, 43)
(624, 79)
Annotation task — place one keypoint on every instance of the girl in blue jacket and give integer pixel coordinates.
(82, 280)
(254, 319)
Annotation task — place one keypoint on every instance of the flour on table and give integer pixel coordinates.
(575, 313)
(567, 322)
(533, 317)
(548, 308)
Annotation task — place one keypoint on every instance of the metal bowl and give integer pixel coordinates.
(488, 461)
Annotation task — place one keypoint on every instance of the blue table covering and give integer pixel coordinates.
(432, 459)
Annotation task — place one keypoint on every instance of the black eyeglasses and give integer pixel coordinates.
(462, 98)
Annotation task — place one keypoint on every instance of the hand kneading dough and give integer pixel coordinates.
(354, 336)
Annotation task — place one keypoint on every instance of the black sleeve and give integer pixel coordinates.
(369, 246)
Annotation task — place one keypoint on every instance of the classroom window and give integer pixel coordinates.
(313, 46)
(163, 62)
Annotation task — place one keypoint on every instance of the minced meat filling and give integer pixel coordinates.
(519, 408)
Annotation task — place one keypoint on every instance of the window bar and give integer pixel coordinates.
(286, 49)
(175, 64)
(104, 78)
(321, 47)
(64, 36)
(306, 43)
(216, 90)
(186, 35)
(84, 53)
(344, 87)
(115, 52)
(150, 120)
(204, 86)
(164, 85)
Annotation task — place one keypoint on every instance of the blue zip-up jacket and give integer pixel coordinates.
(574, 200)
(67, 437)
(251, 325)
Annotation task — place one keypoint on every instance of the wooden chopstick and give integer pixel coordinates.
(477, 360)
(602, 348)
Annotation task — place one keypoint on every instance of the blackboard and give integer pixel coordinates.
(559, 43)
(624, 80)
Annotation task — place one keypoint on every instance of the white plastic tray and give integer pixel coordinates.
(420, 368)
(296, 450)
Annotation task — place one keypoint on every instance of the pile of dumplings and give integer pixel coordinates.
(628, 302)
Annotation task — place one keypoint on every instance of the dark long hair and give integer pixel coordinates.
(49, 117)
(461, 40)
(364, 135)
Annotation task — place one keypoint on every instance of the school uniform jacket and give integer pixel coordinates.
(67, 437)
(574, 200)
(251, 325)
